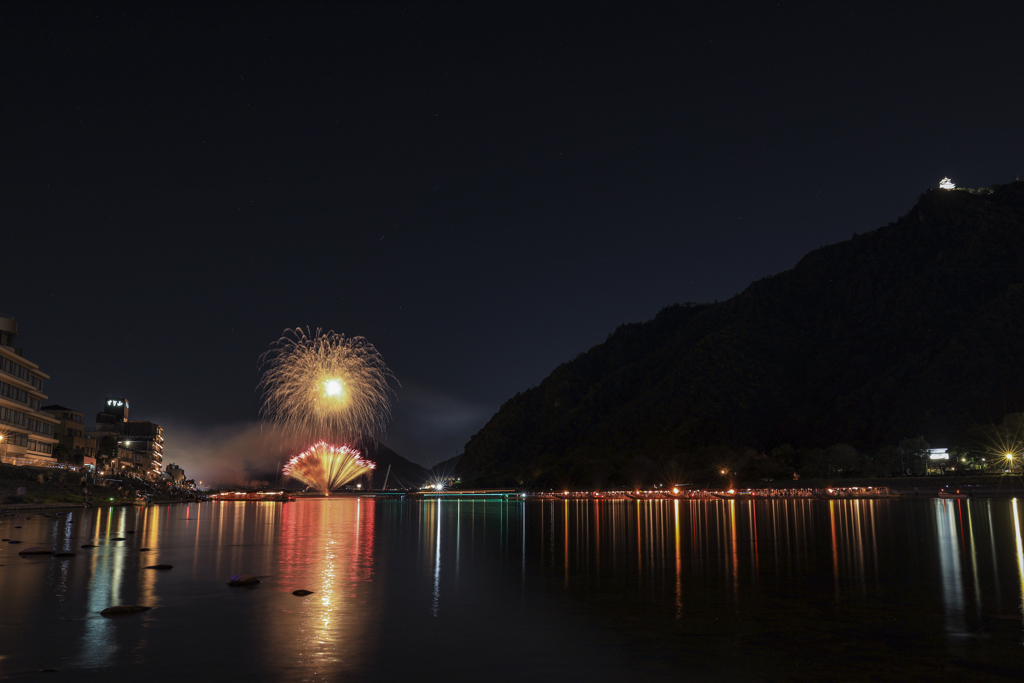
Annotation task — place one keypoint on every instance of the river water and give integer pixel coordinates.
(778, 590)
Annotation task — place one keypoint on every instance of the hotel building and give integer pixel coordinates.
(70, 432)
(26, 433)
(140, 444)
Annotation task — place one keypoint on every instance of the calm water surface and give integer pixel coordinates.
(474, 589)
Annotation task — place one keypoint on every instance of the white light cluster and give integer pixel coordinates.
(947, 184)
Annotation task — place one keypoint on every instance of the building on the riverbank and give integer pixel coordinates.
(70, 432)
(145, 441)
(140, 443)
(26, 433)
(174, 474)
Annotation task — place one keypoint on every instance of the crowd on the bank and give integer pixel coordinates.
(132, 486)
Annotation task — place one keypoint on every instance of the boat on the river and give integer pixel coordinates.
(259, 496)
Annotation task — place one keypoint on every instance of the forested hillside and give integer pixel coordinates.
(913, 329)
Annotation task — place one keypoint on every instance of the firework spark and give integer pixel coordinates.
(325, 385)
(325, 467)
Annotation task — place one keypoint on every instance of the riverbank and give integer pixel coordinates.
(45, 486)
(979, 484)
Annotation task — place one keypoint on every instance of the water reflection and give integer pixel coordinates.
(681, 544)
(1020, 553)
(702, 576)
(326, 546)
(948, 534)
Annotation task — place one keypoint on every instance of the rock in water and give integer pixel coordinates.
(63, 554)
(36, 550)
(302, 592)
(243, 581)
(88, 545)
(160, 566)
(123, 610)
(117, 539)
(143, 550)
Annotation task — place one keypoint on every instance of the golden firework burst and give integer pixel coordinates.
(325, 385)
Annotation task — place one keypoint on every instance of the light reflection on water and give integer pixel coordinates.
(694, 586)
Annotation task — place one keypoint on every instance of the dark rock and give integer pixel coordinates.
(14, 542)
(143, 550)
(301, 592)
(160, 566)
(123, 610)
(35, 550)
(132, 531)
(63, 554)
(243, 581)
(88, 545)
(18, 527)
(117, 539)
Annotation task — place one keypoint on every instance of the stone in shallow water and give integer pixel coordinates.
(243, 581)
(117, 539)
(63, 554)
(14, 542)
(36, 550)
(160, 566)
(88, 545)
(301, 592)
(123, 610)
(143, 550)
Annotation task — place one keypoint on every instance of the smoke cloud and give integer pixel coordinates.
(246, 454)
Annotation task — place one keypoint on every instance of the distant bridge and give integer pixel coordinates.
(428, 494)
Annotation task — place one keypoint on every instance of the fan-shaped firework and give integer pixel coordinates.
(325, 385)
(325, 467)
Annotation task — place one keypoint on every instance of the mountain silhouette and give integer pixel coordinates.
(912, 329)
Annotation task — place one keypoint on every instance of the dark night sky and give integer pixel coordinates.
(481, 191)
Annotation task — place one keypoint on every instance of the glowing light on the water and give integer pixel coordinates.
(947, 184)
(325, 468)
(325, 385)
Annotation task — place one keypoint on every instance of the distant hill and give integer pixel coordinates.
(404, 474)
(445, 468)
(916, 328)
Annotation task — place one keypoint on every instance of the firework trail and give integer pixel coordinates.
(325, 467)
(325, 385)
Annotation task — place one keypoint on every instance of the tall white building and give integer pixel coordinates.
(26, 433)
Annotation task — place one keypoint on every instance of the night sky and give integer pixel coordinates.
(482, 191)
